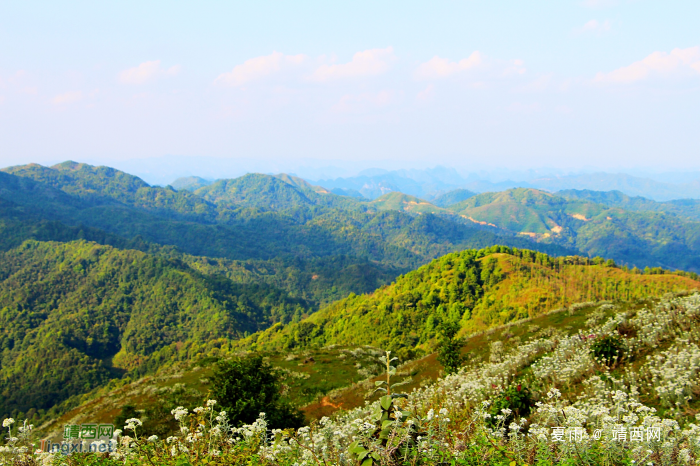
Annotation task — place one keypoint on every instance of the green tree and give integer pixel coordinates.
(246, 387)
(449, 347)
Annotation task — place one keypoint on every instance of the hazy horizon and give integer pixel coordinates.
(610, 84)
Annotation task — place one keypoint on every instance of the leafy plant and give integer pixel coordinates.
(449, 347)
(514, 401)
(386, 418)
(246, 387)
(608, 350)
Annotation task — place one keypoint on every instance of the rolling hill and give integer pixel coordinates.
(636, 238)
(253, 218)
(684, 208)
(478, 289)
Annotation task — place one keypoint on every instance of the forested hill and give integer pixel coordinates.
(281, 226)
(684, 208)
(476, 289)
(74, 315)
(641, 238)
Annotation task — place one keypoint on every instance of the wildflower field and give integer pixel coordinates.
(621, 389)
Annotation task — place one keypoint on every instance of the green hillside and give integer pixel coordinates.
(404, 203)
(477, 289)
(190, 183)
(636, 238)
(276, 193)
(532, 378)
(253, 218)
(453, 197)
(684, 208)
(74, 315)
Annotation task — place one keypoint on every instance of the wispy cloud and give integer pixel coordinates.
(67, 98)
(676, 64)
(371, 62)
(258, 68)
(437, 67)
(594, 26)
(146, 72)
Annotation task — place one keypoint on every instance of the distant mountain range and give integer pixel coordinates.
(432, 183)
(631, 229)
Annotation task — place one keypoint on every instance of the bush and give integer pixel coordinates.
(449, 348)
(608, 350)
(246, 387)
(515, 398)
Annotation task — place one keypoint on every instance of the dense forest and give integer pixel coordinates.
(74, 315)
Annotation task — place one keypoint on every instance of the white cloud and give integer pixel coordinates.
(678, 63)
(437, 67)
(594, 26)
(363, 64)
(67, 98)
(145, 72)
(258, 68)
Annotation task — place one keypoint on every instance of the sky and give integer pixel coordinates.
(608, 84)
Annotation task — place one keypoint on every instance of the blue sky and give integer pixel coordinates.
(612, 84)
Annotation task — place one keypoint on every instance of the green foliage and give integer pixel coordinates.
(75, 315)
(684, 208)
(453, 197)
(609, 350)
(648, 235)
(449, 347)
(128, 412)
(386, 417)
(476, 288)
(516, 400)
(246, 387)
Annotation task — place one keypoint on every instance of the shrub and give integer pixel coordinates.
(246, 387)
(516, 400)
(608, 350)
(449, 348)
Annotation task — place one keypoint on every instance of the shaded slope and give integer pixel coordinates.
(73, 315)
(453, 197)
